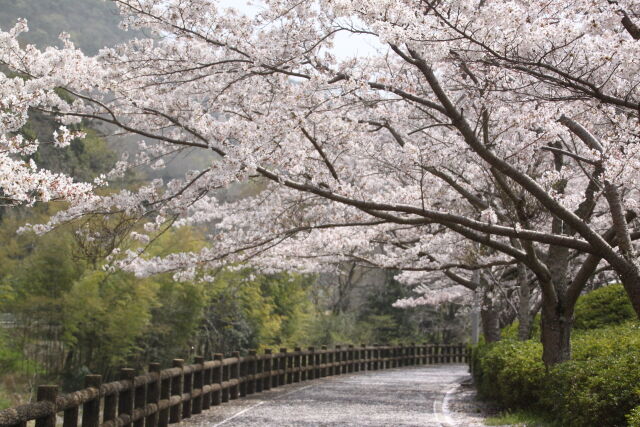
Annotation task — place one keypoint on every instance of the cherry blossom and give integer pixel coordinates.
(487, 135)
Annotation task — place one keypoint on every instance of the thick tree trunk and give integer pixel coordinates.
(556, 333)
(524, 297)
(631, 283)
(490, 319)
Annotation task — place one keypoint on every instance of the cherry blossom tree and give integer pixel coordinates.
(509, 124)
(21, 181)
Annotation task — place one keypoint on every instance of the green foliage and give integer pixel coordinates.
(380, 322)
(511, 331)
(329, 329)
(9, 358)
(104, 315)
(510, 372)
(248, 310)
(597, 387)
(608, 305)
(602, 382)
(633, 417)
(377, 321)
(525, 418)
(83, 159)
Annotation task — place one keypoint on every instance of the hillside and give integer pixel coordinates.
(92, 24)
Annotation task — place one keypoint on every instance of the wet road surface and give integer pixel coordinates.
(410, 396)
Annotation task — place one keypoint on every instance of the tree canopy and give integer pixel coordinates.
(491, 136)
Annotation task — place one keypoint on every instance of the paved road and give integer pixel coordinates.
(413, 396)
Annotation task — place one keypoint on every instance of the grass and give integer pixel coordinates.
(520, 418)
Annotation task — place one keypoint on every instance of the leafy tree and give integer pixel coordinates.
(104, 315)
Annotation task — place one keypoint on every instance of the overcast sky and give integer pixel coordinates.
(346, 45)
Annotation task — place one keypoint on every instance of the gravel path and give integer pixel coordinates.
(415, 396)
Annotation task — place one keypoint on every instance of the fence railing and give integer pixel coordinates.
(163, 397)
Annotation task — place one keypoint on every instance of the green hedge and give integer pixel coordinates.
(509, 371)
(608, 305)
(633, 418)
(600, 386)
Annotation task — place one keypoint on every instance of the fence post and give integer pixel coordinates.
(386, 356)
(198, 383)
(251, 371)
(110, 407)
(70, 417)
(317, 363)
(47, 393)
(153, 395)
(243, 364)
(311, 373)
(344, 360)
(225, 381)
(207, 374)
(125, 397)
(268, 380)
(423, 354)
(283, 366)
(323, 361)
(187, 388)
(175, 412)
(386, 360)
(139, 402)
(217, 379)
(357, 359)
(91, 409)
(415, 353)
(352, 358)
(297, 365)
(165, 394)
(335, 359)
(234, 374)
(304, 363)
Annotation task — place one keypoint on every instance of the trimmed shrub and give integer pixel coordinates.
(510, 372)
(600, 386)
(511, 331)
(633, 418)
(608, 305)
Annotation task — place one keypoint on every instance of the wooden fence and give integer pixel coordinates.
(162, 397)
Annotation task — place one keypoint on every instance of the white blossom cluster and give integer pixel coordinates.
(480, 126)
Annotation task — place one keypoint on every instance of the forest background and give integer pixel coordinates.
(62, 316)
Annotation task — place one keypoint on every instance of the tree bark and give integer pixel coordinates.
(556, 333)
(524, 294)
(490, 319)
(631, 282)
